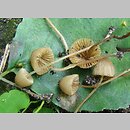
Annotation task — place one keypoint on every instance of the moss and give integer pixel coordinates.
(7, 31)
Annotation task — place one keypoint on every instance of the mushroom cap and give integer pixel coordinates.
(40, 58)
(104, 68)
(69, 84)
(86, 55)
(23, 78)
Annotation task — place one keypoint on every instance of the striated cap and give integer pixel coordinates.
(104, 68)
(87, 55)
(40, 58)
(69, 84)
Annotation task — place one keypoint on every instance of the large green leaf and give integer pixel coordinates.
(33, 33)
(13, 101)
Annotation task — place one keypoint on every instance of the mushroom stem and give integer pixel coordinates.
(58, 33)
(101, 84)
(87, 48)
(86, 86)
(87, 62)
(74, 65)
(115, 77)
(78, 52)
(111, 37)
(90, 94)
(65, 57)
(99, 58)
(33, 72)
(65, 68)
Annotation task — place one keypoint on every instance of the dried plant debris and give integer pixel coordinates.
(90, 80)
(68, 102)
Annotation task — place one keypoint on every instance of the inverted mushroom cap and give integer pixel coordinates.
(69, 84)
(104, 68)
(40, 58)
(23, 78)
(86, 55)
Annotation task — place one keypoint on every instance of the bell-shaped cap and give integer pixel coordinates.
(104, 68)
(69, 84)
(23, 78)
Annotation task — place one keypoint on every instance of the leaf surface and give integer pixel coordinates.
(34, 33)
(13, 101)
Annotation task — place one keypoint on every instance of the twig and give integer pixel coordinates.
(110, 31)
(4, 59)
(88, 96)
(58, 33)
(105, 82)
(122, 37)
(45, 97)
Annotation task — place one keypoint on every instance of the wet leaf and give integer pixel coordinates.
(13, 101)
(35, 33)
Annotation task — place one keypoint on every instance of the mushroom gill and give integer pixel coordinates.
(40, 58)
(92, 53)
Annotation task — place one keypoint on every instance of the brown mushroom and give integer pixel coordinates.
(23, 78)
(104, 68)
(40, 58)
(69, 84)
(87, 55)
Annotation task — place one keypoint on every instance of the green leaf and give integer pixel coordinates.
(13, 101)
(34, 33)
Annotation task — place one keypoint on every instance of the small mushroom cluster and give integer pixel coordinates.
(103, 67)
(39, 59)
(83, 53)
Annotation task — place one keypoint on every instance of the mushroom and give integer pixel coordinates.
(40, 58)
(83, 53)
(23, 78)
(86, 55)
(104, 68)
(69, 84)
